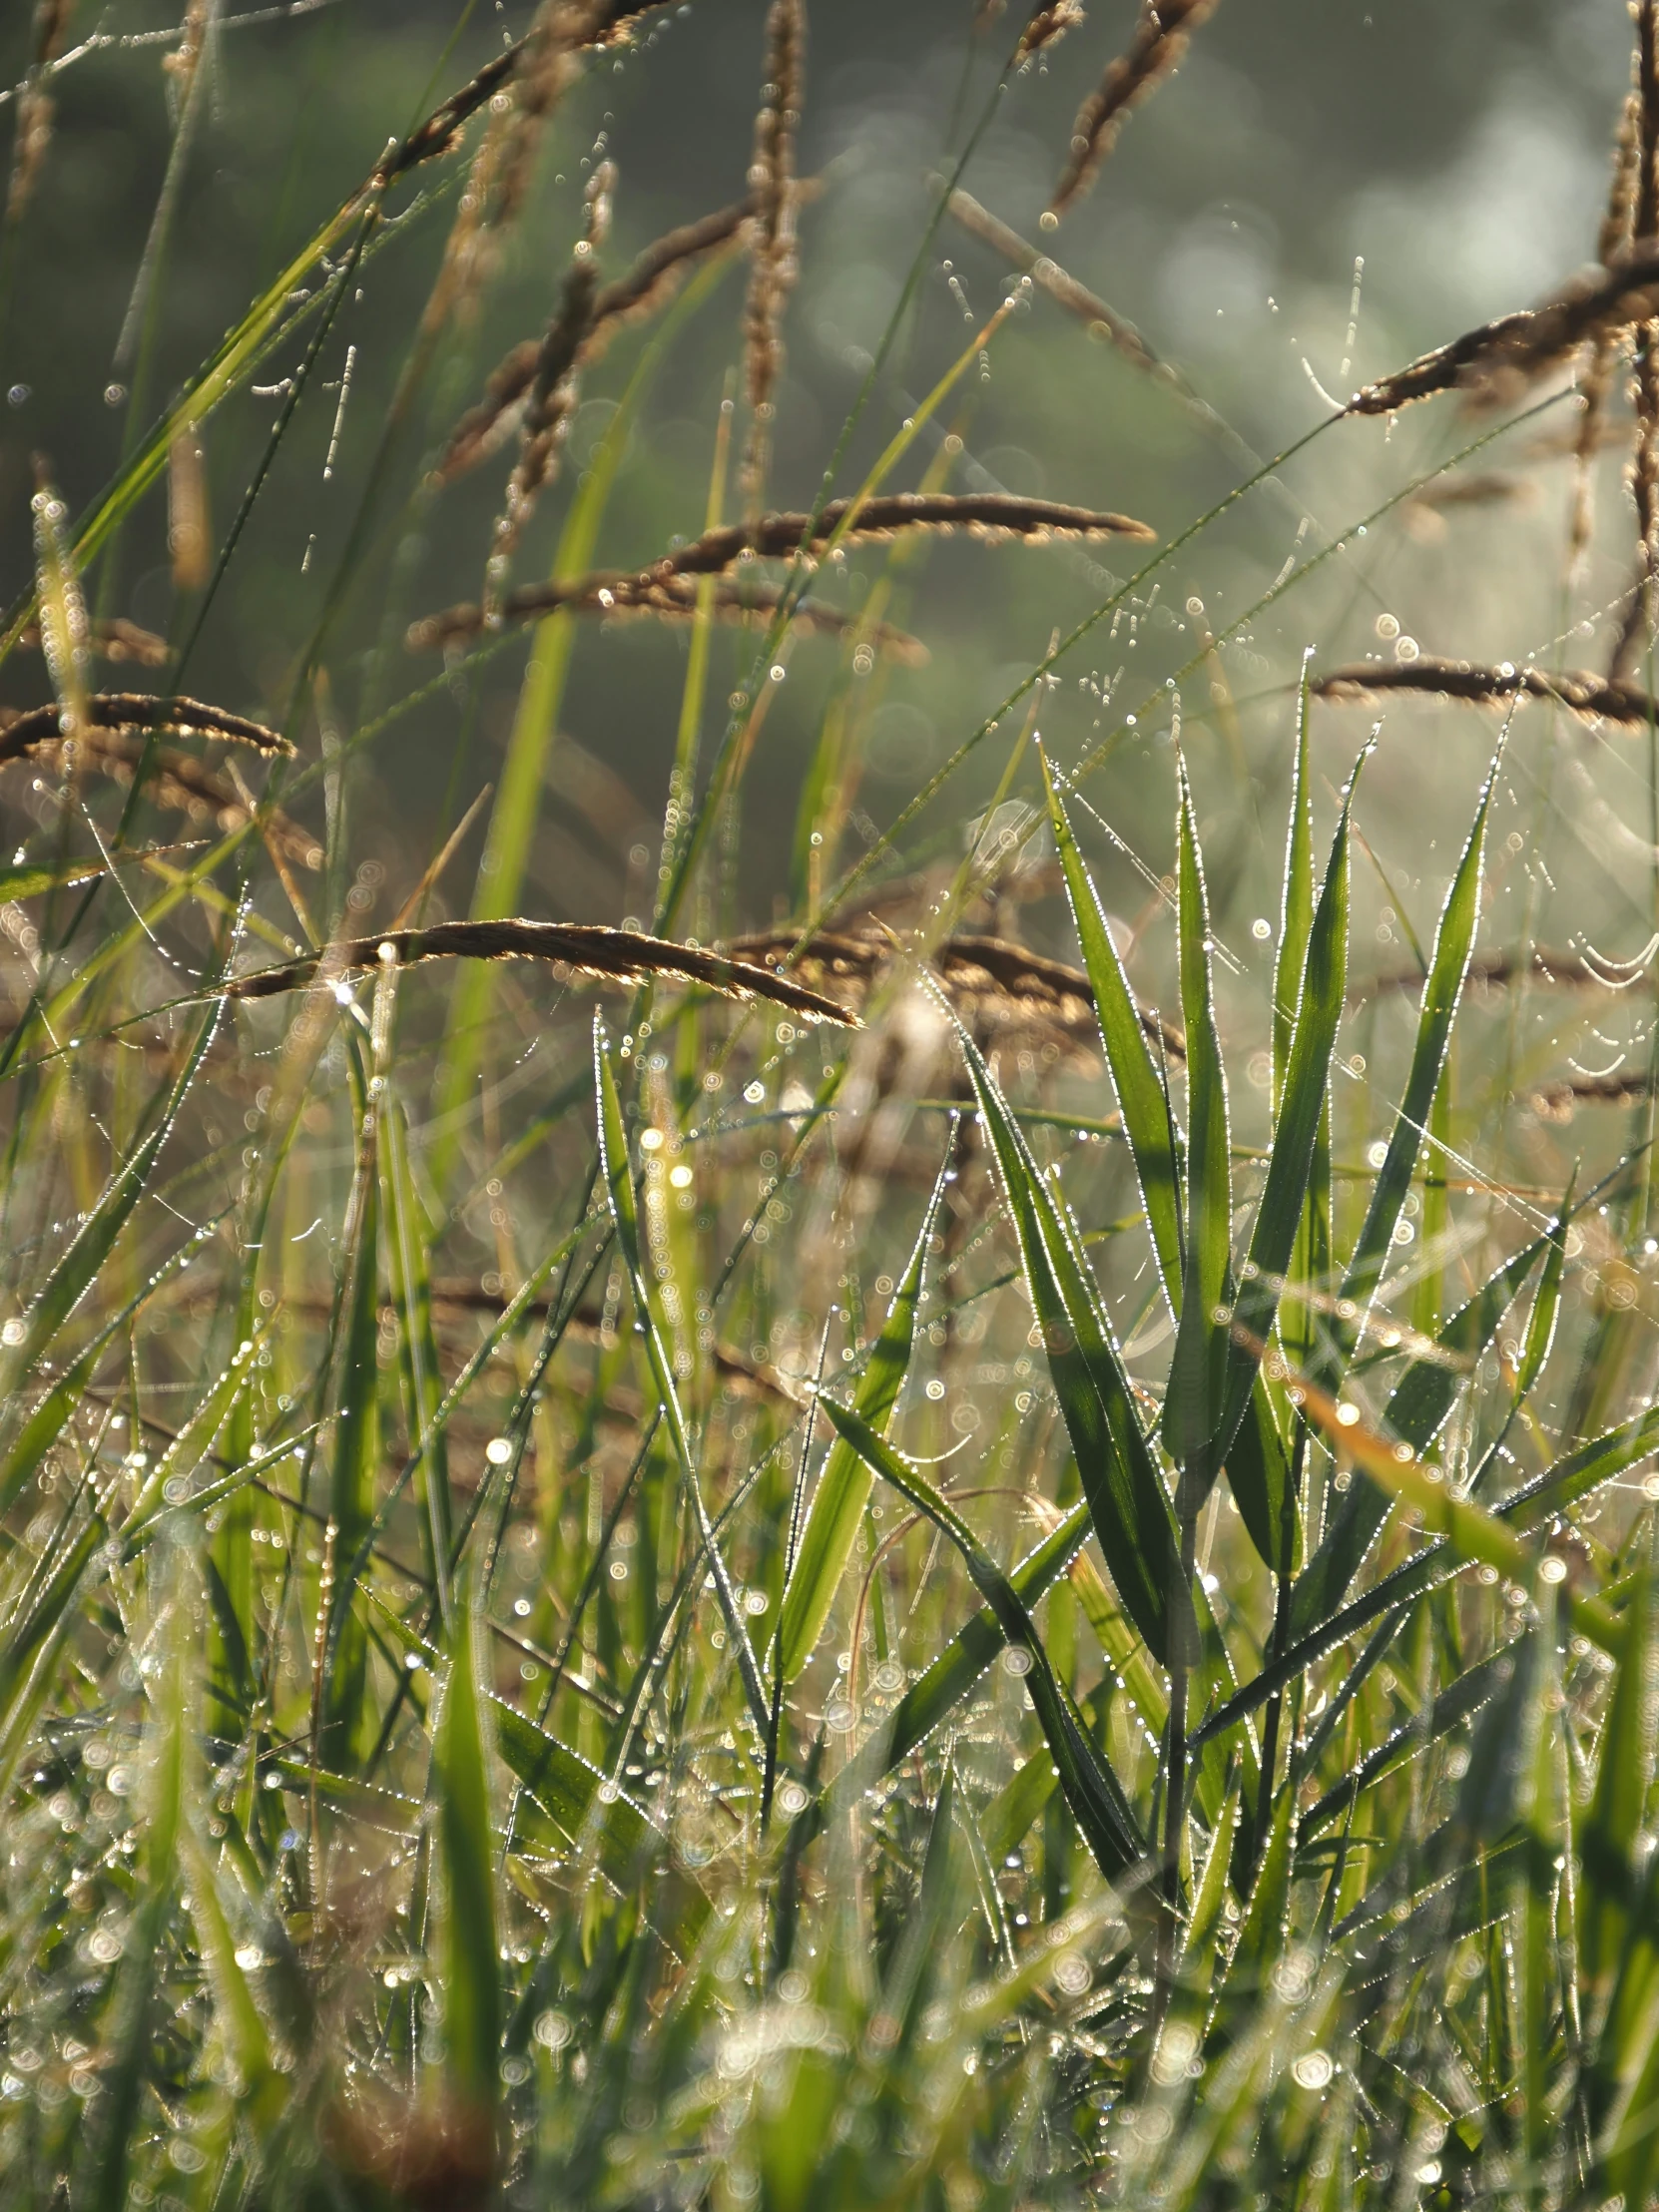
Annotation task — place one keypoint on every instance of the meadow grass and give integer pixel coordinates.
(666, 1562)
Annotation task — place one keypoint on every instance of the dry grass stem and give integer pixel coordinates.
(775, 197)
(1156, 49)
(671, 598)
(123, 711)
(572, 948)
(1590, 696)
(35, 107)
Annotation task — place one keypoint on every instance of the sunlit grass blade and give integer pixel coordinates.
(1417, 1411)
(1576, 1475)
(1095, 1796)
(1125, 1491)
(842, 1491)
(1147, 1121)
(1193, 1402)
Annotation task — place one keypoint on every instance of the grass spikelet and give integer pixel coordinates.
(1049, 21)
(1496, 971)
(64, 630)
(774, 200)
(123, 711)
(986, 515)
(551, 397)
(1496, 363)
(574, 948)
(1559, 1101)
(1590, 696)
(652, 280)
(35, 108)
(1636, 631)
(1160, 40)
(1612, 242)
(609, 595)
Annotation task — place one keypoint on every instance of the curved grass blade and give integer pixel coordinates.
(1125, 1492)
(1295, 914)
(1135, 1077)
(844, 1487)
(1096, 1798)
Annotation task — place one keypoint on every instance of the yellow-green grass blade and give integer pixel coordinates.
(1578, 1474)
(839, 1502)
(1248, 1438)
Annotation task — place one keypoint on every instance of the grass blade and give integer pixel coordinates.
(472, 1973)
(1135, 1077)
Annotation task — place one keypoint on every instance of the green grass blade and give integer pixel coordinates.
(1448, 969)
(1303, 1094)
(1121, 1482)
(472, 1967)
(1093, 1792)
(1194, 1401)
(1135, 1077)
(843, 1491)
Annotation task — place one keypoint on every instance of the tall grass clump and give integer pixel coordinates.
(950, 1500)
